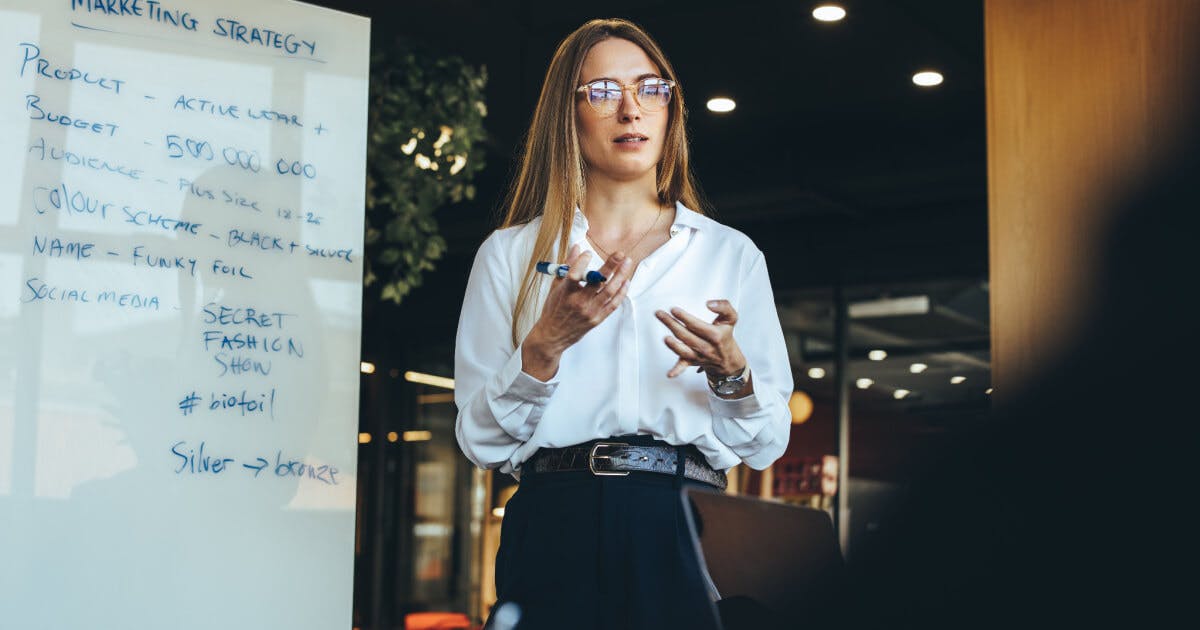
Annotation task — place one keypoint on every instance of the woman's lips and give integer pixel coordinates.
(630, 141)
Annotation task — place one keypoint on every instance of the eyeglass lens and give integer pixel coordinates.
(652, 95)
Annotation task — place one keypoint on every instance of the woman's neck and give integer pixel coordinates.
(619, 208)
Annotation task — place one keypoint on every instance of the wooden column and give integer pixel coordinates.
(1081, 96)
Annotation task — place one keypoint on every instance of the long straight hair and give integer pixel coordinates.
(551, 182)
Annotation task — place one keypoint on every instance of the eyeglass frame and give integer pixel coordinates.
(670, 84)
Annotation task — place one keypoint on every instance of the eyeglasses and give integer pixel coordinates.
(651, 94)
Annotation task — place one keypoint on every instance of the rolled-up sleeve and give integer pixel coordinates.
(756, 427)
(499, 405)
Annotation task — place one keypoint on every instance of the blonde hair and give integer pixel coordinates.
(551, 181)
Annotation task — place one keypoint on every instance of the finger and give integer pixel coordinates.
(575, 252)
(616, 280)
(724, 310)
(679, 330)
(607, 299)
(681, 366)
(615, 300)
(578, 266)
(697, 326)
(572, 255)
(678, 369)
(627, 269)
(603, 309)
(610, 266)
(609, 270)
(684, 351)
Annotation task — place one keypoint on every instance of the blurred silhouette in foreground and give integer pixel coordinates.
(1068, 508)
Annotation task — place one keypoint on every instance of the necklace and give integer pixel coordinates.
(631, 249)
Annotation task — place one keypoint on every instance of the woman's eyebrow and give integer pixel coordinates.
(647, 75)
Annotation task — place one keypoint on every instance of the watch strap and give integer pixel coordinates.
(740, 377)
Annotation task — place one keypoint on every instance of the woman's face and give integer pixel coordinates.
(625, 145)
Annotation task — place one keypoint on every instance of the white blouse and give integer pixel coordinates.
(614, 381)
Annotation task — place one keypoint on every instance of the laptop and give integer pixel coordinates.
(770, 564)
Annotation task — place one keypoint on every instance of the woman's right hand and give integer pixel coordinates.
(572, 309)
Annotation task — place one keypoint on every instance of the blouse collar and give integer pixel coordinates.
(685, 217)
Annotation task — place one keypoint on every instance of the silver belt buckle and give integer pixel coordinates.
(592, 457)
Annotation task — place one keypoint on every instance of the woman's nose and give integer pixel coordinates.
(629, 108)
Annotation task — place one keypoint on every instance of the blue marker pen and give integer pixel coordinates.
(593, 277)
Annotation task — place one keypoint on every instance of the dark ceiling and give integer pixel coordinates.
(837, 166)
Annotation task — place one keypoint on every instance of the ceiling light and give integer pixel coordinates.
(988, 391)
(927, 78)
(890, 307)
(863, 383)
(955, 380)
(366, 367)
(801, 407)
(829, 13)
(429, 379)
(816, 372)
(364, 438)
(393, 436)
(433, 399)
(899, 394)
(721, 105)
(877, 355)
(917, 368)
(417, 436)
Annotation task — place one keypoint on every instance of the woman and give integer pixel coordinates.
(584, 390)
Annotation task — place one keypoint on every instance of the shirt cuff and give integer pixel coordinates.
(522, 385)
(518, 399)
(744, 407)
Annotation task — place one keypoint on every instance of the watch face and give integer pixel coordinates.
(729, 387)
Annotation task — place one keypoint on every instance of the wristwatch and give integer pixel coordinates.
(732, 384)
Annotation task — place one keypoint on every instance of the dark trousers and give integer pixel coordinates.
(580, 551)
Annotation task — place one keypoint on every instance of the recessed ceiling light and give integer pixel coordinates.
(366, 367)
(429, 379)
(877, 355)
(816, 372)
(900, 394)
(829, 13)
(955, 380)
(889, 307)
(917, 368)
(927, 78)
(864, 383)
(988, 391)
(721, 105)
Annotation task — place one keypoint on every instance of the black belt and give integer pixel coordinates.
(616, 458)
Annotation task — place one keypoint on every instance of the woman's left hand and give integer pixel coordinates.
(711, 347)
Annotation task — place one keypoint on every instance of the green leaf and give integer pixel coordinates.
(412, 89)
(389, 293)
(389, 257)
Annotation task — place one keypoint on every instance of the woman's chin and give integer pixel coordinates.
(628, 170)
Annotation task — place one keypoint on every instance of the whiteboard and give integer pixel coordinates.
(181, 224)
